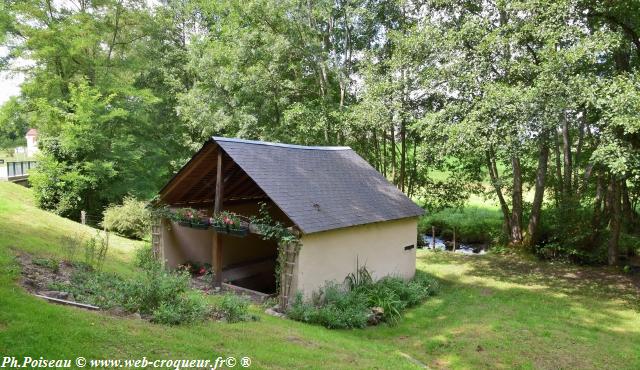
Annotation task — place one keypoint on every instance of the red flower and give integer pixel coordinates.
(202, 271)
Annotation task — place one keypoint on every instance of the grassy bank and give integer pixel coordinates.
(492, 311)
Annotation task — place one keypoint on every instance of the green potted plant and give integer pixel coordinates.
(200, 220)
(190, 217)
(235, 224)
(217, 223)
(183, 216)
(229, 223)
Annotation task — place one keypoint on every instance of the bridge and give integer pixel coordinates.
(16, 171)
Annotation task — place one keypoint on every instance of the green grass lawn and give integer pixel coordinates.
(493, 311)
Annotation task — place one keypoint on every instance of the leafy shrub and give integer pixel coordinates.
(162, 295)
(184, 309)
(131, 219)
(145, 259)
(150, 290)
(71, 245)
(411, 292)
(333, 307)
(389, 300)
(234, 308)
(566, 236)
(630, 244)
(337, 307)
(96, 288)
(95, 251)
(362, 277)
(51, 264)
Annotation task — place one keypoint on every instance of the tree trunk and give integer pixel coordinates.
(568, 165)
(376, 152)
(627, 209)
(597, 211)
(536, 208)
(616, 221)
(384, 154)
(516, 208)
(413, 174)
(558, 188)
(495, 181)
(403, 155)
(392, 138)
(578, 156)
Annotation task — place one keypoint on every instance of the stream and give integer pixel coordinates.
(442, 245)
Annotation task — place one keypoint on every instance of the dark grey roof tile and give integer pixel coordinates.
(347, 190)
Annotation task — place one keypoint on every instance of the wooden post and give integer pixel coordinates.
(433, 237)
(454, 239)
(83, 217)
(217, 239)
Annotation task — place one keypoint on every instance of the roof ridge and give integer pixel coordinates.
(282, 145)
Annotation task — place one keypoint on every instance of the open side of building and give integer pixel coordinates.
(345, 212)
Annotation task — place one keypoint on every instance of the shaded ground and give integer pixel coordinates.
(508, 311)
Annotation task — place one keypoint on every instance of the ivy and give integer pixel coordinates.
(275, 230)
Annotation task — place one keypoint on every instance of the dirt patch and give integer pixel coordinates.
(50, 277)
(486, 292)
(301, 341)
(202, 283)
(38, 274)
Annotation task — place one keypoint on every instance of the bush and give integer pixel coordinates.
(51, 264)
(234, 308)
(100, 289)
(333, 308)
(131, 219)
(338, 307)
(145, 259)
(184, 309)
(163, 296)
(150, 290)
(95, 251)
(566, 236)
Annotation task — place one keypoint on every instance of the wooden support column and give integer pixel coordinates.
(217, 239)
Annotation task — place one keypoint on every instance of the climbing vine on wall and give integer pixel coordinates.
(275, 230)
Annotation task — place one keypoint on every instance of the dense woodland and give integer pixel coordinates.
(533, 103)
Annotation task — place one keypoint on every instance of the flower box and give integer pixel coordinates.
(199, 225)
(239, 232)
(219, 229)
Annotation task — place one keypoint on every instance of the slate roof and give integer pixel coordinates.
(320, 188)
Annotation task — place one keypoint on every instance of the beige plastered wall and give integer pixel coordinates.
(332, 255)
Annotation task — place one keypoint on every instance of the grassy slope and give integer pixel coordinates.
(493, 312)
